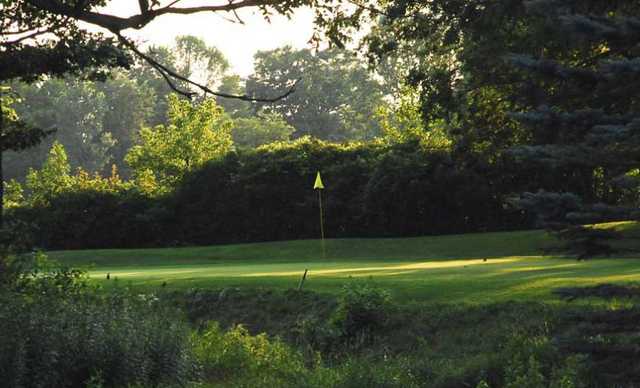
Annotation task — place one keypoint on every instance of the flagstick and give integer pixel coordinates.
(324, 251)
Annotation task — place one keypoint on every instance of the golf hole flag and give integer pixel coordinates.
(318, 184)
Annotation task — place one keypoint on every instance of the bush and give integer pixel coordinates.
(534, 362)
(57, 331)
(266, 195)
(358, 373)
(363, 310)
(251, 361)
(235, 358)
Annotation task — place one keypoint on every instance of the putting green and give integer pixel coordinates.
(475, 268)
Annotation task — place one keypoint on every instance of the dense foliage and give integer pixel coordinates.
(599, 132)
(419, 345)
(335, 94)
(57, 330)
(473, 104)
(96, 122)
(193, 136)
(99, 122)
(266, 194)
(548, 85)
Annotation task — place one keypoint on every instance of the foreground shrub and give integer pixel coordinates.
(359, 373)
(236, 358)
(56, 331)
(239, 359)
(363, 310)
(535, 362)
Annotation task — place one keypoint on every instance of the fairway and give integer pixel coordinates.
(473, 268)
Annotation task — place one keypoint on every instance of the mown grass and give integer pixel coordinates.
(472, 268)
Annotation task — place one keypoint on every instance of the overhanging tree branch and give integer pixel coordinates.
(169, 75)
(116, 24)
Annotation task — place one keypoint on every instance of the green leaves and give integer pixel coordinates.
(13, 194)
(15, 134)
(196, 134)
(259, 130)
(402, 122)
(335, 94)
(52, 179)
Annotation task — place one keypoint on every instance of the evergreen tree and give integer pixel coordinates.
(588, 123)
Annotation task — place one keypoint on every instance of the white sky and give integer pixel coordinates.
(238, 42)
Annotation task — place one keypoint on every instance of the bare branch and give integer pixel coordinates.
(235, 13)
(35, 33)
(229, 7)
(173, 87)
(169, 75)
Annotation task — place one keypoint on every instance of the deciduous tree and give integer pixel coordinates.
(335, 95)
(15, 135)
(54, 38)
(261, 129)
(52, 179)
(195, 134)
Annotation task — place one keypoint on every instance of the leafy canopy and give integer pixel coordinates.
(52, 179)
(196, 134)
(262, 129)
(334, 97)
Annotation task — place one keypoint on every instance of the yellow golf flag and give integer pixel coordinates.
(318, 184)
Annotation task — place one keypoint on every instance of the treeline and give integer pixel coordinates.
(133, 165)
(189, 184)
(98, 121)
(372, 189)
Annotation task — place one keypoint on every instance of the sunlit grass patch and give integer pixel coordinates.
(474, 268)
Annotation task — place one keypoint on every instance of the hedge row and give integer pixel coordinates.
(372, 190)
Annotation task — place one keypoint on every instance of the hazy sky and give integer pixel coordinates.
(238, 42)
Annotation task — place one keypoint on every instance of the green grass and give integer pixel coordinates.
(440, 268)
